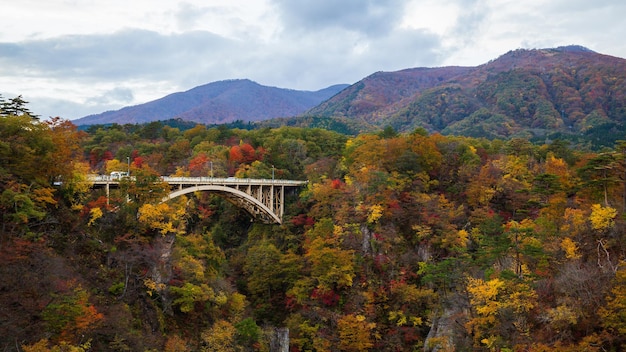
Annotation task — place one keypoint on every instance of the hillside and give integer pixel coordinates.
(524, 93)
(569, 93)
(219, 102)
(399, 242)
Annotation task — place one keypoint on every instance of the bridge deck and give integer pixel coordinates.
(227, 181)
(262, 198)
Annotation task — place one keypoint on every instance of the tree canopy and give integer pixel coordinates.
(400, 241)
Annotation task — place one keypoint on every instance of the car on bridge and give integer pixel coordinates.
(116, 175)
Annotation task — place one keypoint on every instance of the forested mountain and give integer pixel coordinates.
(219, 102)
(399, 242)
(567, 92)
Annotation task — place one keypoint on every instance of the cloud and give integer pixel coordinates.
(127, 54)
(95, 57)
(188, 15)
(370, 17)
(112, 97)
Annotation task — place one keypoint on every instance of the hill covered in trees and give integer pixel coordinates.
(567, 93)
(410, 241)
(217, 103)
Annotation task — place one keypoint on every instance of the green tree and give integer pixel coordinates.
(263, 269)
(15, 107)
(599, 174)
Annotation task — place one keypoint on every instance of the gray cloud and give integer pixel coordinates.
(469, 23)
(114, 96)
(374, 18)
(188, 15)
(299, 44)
(125, 54)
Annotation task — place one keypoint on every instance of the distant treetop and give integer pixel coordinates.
(15, 106)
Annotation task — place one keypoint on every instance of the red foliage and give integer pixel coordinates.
(248, 152)
(198, 163)
(235, 155)
(245, 153)
(411, 334)
(107, 155)
(138, 161)
(381, 261)
(290, 302)
(393, 204)
(205, 212)
(64, 286)
(329, 298)
(260, 153)
(94, 159)
(18, 249)
(101, 203)
(336, 184)
(303, 220)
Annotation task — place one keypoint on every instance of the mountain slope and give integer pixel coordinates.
(219, 102)
(525, 93)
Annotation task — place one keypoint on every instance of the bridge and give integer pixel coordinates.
(263, 199)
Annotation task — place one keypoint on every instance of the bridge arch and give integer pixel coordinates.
(252, 205)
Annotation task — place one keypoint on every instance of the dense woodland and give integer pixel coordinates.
(399, 242)
(567, 93)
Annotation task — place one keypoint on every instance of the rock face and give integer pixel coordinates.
(279, 341)
(447, 332)
(161, 271)
(440, 336)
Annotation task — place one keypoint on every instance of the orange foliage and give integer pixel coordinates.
(198, 163)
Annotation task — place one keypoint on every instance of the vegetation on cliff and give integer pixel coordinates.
(399, 242)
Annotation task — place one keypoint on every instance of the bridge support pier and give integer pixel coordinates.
(264, 200)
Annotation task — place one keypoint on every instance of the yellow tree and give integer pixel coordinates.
(220, 337)
(116, 165)
(161, 217)
(613, 314)
(329, 268)
(306, 336)
(602, 218)
(43, 346)
(496, 305)
(355, 333)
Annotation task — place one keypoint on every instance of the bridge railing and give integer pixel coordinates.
(203, 180)
(230, 180)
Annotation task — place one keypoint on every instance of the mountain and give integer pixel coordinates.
(538, 93)
(568, 92)
(219, 102)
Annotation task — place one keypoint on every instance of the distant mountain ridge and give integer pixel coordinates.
(219, 102)
(527, 93)
(568, 92)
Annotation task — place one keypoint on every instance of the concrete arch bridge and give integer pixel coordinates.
(263, 199)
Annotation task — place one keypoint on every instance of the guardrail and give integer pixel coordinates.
(202, 180)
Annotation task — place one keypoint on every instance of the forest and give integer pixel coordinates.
(399, 242)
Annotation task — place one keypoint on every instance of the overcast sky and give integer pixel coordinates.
(71, 58)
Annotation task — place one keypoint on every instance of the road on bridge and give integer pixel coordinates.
(263, 199)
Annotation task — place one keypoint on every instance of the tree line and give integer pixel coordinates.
(398, 242)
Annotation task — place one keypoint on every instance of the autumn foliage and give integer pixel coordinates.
(398, 242)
